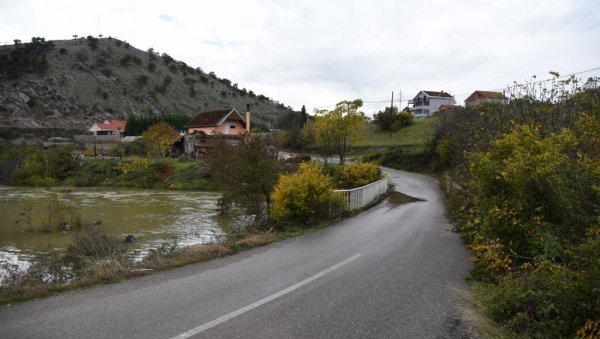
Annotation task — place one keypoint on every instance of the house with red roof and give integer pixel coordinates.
(109, 127)
(223, 122)
(426, 103)
(228, 125)
(479, 97)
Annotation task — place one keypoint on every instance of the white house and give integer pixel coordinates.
(428, 102)
(109, 127)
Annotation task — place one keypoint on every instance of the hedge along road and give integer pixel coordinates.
(387, 272)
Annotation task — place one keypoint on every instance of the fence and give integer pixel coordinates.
(363, 196)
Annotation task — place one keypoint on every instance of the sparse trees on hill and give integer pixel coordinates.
(26, 58)
(93, 42)
(167, 59)
(151, 54)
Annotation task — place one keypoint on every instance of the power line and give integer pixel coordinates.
(373, 102)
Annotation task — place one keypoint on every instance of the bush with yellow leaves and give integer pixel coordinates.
(302, 196)
(358, 174)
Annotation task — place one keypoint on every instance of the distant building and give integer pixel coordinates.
(448, 108)
(109, 127)
(428, 102)
(225, 122)
(228, 125)
(479, 97)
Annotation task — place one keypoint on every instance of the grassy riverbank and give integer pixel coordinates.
(38, 167)
(167, 173)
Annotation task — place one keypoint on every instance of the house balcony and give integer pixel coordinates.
(419, 103)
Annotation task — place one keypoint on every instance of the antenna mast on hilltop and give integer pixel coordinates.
(391, 114)
(98, 25)
(399, 100)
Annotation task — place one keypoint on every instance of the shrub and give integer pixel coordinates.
(47, 267)
(590, 330)
(303, 196)
(544, 300)
(62, 216)
(359, 174)
(530, 192)
(151, 66)
(490, 262)
(94, 244)
(81, 55)
(142, 172)
(141, 80)
(44, 167)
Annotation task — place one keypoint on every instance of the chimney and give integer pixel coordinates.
(248, 118)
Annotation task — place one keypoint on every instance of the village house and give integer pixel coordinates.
(228, 125)
(479, 97)
(109, 127)
(224, 122)
(428, 102)
(448, 109)
(104, 136)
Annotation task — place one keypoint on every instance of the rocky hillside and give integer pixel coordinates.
(73, 83)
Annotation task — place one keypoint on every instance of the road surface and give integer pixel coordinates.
(385, 273)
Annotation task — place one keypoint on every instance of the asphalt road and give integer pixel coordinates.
(386, 273)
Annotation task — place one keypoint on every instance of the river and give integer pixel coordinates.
(151, 216)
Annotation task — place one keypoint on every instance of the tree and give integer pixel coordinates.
(159, 138)
(246, 174)
(385, 119)
(340, 126)
(392, 120)
(304, 115)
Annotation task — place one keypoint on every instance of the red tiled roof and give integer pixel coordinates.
(485, 95)
(438, 94)
(448, 107)
(113, 125)
(212, 118)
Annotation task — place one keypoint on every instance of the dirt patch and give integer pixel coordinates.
(401, 198)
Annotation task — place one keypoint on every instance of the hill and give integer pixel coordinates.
(73, 83)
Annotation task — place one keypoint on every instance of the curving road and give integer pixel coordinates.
(386, 273)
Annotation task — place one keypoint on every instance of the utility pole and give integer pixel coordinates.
(391, 114)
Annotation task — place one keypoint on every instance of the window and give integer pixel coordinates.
(232, 126)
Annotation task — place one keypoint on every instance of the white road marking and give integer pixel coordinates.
(263, 301)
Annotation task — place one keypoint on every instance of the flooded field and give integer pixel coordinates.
(151, 216)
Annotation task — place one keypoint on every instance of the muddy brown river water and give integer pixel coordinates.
(152, 216)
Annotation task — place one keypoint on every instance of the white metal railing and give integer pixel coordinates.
(363, 196)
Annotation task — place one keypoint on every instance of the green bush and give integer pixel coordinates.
(526, 199)
(545, 300)
(143, 173)
(358, 174)
(39, 167)
(533, 191)
(303, 196)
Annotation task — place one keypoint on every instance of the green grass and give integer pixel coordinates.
(416, 134)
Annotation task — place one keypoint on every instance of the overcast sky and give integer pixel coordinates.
(319, 52)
